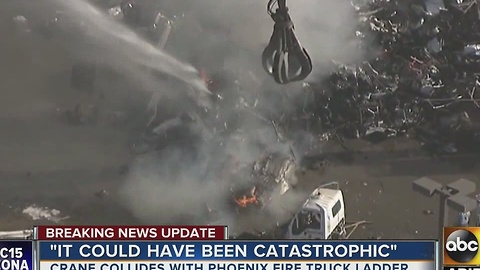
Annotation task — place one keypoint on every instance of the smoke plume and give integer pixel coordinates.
(185, 182)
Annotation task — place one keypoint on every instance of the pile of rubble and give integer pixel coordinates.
(421, 81)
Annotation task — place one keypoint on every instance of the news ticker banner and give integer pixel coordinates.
(147, 248)
(238, 255)
(24, 254)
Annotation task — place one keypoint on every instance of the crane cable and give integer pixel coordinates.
(284, 58)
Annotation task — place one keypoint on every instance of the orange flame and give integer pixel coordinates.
(245, 200)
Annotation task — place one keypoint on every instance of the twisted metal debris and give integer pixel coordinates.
(422, 79)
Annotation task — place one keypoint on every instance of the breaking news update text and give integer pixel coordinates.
(144, 254)
(131, 233)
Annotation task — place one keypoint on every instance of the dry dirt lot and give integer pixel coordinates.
(47, 162)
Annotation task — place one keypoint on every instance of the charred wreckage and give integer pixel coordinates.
(271, 176)
(421, 81)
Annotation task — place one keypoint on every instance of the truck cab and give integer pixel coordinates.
(321, 217)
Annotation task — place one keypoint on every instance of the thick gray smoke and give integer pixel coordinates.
(324, 27)
(185, 182)
(180, 183)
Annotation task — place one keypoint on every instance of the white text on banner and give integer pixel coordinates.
(235, 265)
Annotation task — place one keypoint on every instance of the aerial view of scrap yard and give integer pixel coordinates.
(298, 119)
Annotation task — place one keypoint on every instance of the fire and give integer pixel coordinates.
(247, 200)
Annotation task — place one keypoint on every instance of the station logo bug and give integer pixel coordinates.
(461, 246)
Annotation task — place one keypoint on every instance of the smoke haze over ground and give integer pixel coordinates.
(86, 33)
(179, 181)
(218, 35)
(324, 27)
(79, 169)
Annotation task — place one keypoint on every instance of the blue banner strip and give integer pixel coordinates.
(16, 254)
(239, 250)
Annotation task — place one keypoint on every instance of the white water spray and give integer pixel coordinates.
(110, 42)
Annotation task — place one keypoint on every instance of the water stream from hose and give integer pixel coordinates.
(111, 42)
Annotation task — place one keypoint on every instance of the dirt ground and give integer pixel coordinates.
(47, 162)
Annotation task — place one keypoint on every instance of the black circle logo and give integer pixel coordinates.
(461, 246)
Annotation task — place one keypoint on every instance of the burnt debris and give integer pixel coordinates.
(271, 176)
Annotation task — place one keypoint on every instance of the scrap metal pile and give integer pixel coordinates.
(421, 81)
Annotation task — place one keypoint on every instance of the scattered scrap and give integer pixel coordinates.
(44, 213)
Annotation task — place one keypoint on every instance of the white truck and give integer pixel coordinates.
(321, 217)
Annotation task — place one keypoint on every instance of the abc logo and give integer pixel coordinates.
(461, 246)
